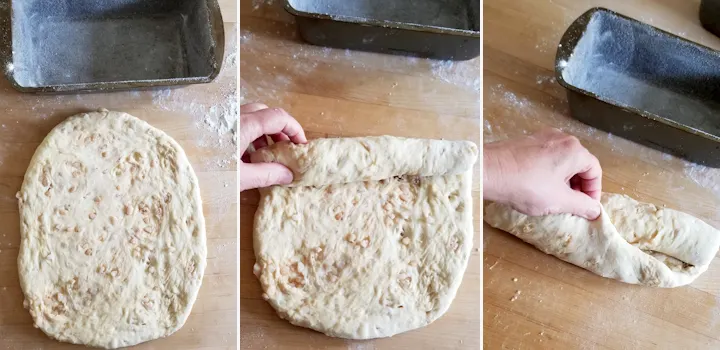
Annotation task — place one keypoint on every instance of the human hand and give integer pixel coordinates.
(546, 173)
(257, 121)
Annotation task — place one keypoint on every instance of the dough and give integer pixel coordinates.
(113, 247)
(342, 160)
(360, 246)
(631, 242)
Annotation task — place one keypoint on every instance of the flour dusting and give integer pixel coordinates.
(706, 177)
(528, 112)
(255, 336)
(545, 79)
(462, 74)
(231, 58)
(361, 345)
(715, 312)
(217, 121)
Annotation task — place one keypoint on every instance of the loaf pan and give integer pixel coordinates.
(643, 84)
(90, 45)
(441, 29)
(710, 15)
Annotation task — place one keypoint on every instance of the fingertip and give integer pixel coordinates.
(299, 136)
(256, 175)
(594, 214)
(285, 176)
(582, 205)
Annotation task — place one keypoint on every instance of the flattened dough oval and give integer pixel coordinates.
(359, 257)
(113, 245)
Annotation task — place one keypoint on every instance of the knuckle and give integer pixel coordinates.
(279, 112)
(275, 115)
(250, 129)
(535, 211)
(571, 141)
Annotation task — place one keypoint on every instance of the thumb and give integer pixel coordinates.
(580, 204)
(258, 175)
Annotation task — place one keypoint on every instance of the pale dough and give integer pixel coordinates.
(631, 242)
(373, 237)
(113, 246)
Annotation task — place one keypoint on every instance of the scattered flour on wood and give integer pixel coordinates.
(545, 45)
(257, 4)
(306, 59)
(217, 121)
(254, 337)
(231, 58)
(464, 74)
(360, 345)
(516, 113)
(706, 177)
(715, 312)
(545, 79)
(245, 37)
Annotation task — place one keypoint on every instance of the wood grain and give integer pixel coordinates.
(25, 121)
(346, 93)
(561, 306)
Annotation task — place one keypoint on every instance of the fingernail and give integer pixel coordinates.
(286, 177)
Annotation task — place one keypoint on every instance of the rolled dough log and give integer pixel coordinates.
(631, 242)
(342, 160)
(373, 237)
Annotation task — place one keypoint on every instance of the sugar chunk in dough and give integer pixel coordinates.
(357, 248)
(632, 242)
(113, 246)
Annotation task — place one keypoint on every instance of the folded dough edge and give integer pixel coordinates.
(342, 160)
(669, 248)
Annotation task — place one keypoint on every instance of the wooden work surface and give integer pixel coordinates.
(562, 306)
(347, 93)
(26, 119)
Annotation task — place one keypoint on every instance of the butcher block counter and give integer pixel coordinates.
(558, 305)
(193, 116)
(342, 93)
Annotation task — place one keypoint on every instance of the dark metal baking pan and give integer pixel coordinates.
(90, 45)
(642, 83)
(710, 15)
(442, 29)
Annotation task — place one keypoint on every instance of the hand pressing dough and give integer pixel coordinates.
(373, 237)
(631, 242)
(113, 247)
